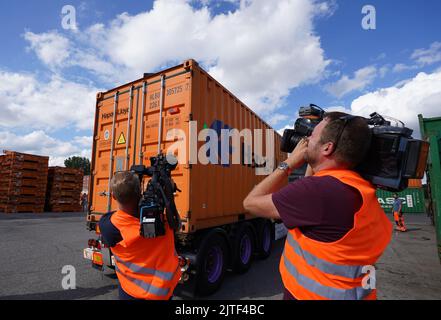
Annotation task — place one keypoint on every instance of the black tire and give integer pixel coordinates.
(265, 238)
(211, 271)
(243, 248)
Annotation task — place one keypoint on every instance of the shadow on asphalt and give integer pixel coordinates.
(261, 281)
(79, 293)
(45, 215)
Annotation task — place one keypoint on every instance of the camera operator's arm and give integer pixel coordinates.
(111, 236)
(259, 201)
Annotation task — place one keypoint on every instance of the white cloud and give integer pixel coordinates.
(420, 95)
(381, 56)
(26, 102)
(428, 56)
(276, 118)
(50, 47)
(338, 108)
(288, 126)
(399, 67)
(327, 8)
(362, 78)
(83, 141)
(39, 143)
(260, 51)
(383, 71)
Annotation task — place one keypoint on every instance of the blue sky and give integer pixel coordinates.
(317, 52)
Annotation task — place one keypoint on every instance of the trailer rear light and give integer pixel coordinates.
(184, 278)
(94, 244)
(184, 262)
(97, 258)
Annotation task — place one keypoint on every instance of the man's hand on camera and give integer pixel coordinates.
(297, 157)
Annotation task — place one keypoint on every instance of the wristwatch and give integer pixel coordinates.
(285, 167)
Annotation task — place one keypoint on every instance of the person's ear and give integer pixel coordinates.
(328, 148)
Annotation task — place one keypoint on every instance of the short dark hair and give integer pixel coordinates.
(354, 141)
(126, 187)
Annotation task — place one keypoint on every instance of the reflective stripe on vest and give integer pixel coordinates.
(313, 286)
(148, 287)
(167, 276)
(352, 272)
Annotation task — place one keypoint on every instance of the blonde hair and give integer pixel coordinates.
(125, 187)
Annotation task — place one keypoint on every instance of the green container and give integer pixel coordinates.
(431, 132)
(413, 200)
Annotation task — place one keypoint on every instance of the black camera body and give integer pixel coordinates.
(393, 156)
(157, 197)
(310, 116)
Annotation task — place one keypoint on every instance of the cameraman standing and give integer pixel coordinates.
(146, 268)
(337, 229)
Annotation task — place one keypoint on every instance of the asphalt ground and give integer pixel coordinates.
(35, 248)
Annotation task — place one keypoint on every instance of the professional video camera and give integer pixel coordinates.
(393, 157)
(158, 195)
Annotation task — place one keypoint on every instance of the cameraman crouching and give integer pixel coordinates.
(337, 229)
(146, 268)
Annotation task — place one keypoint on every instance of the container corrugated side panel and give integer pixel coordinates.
(431, 131)
(413, 200)
(218, 190)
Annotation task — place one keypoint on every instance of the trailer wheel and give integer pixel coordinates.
(243, 248)
(211, 264)
(265, 238)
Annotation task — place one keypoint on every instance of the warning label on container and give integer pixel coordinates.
(121, 139)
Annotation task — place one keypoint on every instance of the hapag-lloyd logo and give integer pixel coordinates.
(223, 146)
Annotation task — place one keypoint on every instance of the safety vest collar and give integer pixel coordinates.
(343, 175)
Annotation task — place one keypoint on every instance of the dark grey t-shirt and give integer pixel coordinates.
(322, 208)
(397, 204)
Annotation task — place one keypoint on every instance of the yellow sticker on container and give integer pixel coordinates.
(121, 139)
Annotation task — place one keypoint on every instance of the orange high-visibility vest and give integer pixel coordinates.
(146, 268)
(313, 270)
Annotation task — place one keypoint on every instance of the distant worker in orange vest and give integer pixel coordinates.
(147, 269)
(337, 230)
(398, 214)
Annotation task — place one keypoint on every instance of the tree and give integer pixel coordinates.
(78, 163)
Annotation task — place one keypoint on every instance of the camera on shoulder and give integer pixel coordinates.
(393, 157)
(158, 197)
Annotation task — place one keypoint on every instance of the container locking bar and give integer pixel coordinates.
(128, 127)
(141, 129)
(161, 107)
(115, 105)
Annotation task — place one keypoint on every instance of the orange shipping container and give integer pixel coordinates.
(127, 131)
(415, 183)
